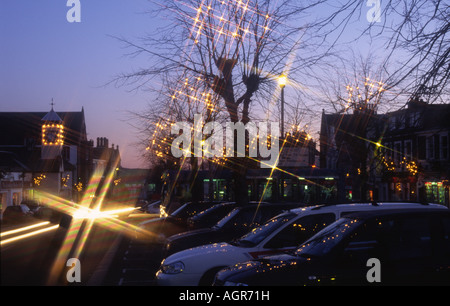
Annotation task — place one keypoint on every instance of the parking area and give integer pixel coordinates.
(134, 264)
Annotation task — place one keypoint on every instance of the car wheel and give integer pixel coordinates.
(208, 278)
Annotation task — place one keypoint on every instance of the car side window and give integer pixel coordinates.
(244, 219)
(366, 242)
(394, 239)
(300, 230)
(411, 239)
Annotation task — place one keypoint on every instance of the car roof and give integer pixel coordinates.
(253, 205)
(362, 215)
(348, 207)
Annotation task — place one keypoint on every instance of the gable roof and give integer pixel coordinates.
(19, 128)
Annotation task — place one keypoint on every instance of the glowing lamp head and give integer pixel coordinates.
(282, 80)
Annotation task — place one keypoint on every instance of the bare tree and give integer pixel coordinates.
(354, 131)
(415, 33)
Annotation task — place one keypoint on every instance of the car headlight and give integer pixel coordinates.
(228, 283)
(173, 268)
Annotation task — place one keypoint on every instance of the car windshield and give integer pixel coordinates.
(25, 208)
(209, 212)
(260, 233)
(325, 240)
(180, 211)
(191, 209)
(222, 222)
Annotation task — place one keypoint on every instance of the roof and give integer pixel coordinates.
(374, 206)
(52, 116)
(11, 162)
(386, 212)
(20, 134)
(18, 128)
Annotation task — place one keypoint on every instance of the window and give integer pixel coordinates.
(260, 233)
(391, 123)
(415, 119)
(365, 242)
(444, 147)
(392, 239)
(246, 219)
(66, 153)
(408, 149)
(411, 239)
(300, 230)
(436, 143)
(15, 198)
(430, 147)
(398, 153)
(399, 123)
(421, 143)
(407, 120)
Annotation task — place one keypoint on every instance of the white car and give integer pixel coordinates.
(198, 266)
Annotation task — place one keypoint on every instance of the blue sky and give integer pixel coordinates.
(43, 56)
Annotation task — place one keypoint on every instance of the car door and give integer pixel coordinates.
(402, 247)
(441, 258)
(409, 257)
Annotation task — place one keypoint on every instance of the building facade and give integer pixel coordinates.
(47, 151)
(401, 156)
(416, 159)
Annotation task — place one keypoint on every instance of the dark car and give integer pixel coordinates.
(150, 207)
(17, 214)
(33, 205)
(237, 223)
(48, 214)
(157, 229)
(388, 248)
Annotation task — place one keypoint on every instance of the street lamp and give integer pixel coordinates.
(282, 80)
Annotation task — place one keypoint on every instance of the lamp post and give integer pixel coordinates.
(282, 80)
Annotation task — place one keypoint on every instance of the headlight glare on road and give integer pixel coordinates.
(172, 268)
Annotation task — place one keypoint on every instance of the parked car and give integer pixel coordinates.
(238, 222)
(152, 207)
(16, 214)
(409, 247)
(282, 233)
(144, 211)
(33, 205)
(48, 214)
(157, 229)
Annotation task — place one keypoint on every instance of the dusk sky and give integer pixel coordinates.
(45, 57)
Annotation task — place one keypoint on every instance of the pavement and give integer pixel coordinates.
(98, 277)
